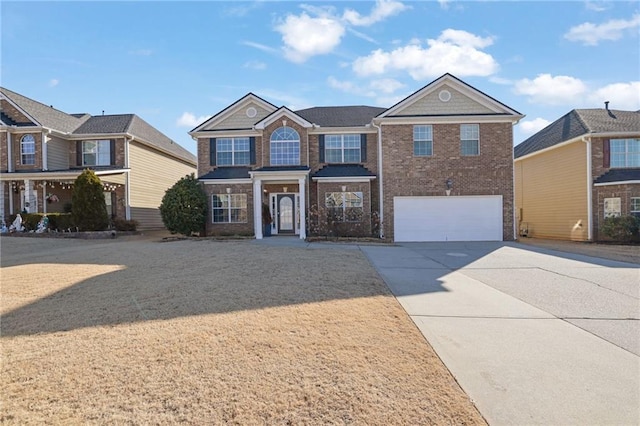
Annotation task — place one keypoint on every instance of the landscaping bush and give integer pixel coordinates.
(88, 207)
(125, 225)
(61, 222)
(184, 207)
(621, 228)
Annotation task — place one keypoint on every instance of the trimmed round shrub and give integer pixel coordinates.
(184, 207)
(621, 228)
(88, 207)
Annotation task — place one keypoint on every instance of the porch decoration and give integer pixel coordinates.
(52, 198)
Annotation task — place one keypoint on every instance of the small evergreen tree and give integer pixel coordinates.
(184, 207)
(88, 207)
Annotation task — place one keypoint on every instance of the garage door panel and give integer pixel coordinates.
(472, 218)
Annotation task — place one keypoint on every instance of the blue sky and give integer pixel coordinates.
(176, 63)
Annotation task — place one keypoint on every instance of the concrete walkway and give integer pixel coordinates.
(533, 336)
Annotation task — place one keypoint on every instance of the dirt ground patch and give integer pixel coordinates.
(137, 331)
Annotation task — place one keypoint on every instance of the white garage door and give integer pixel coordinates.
(472, 218)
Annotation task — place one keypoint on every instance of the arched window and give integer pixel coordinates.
(28, 150)
(285, 147)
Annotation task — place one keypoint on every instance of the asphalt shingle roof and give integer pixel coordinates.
(340, 116)
(45, 115)
(228, 173)
(580, 122)
(343, 170)
(619, 175)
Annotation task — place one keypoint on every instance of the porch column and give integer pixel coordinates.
(257, 208)
(44, 198)
(11, 195)
(45, 162)
(28, 190)
(303, 208)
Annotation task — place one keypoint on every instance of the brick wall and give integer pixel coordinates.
(490, 173)
(15, 151)
(624, 192)
(214, 229)
(120, 154)
(318, 214)
(4, 160)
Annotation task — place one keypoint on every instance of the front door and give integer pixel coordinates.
(286, 213)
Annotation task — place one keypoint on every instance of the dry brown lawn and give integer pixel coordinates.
(137, 331)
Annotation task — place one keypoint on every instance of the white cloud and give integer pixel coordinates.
(624, 96)
(386, 85)
(596, 6)
(444, 4)
(259, 46)
(305, 36)
(591, 34)
(54, 82)
(382, 10)
(454, 51)
(188, 119)
(530, 127)
(547, 89)
(255, 65)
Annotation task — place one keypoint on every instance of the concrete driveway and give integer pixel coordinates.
(534, 336)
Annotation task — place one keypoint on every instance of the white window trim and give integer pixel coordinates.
(97, 154)
(272, 141)
(464, 140)
(228, 209)
(422, 140)
(626, 153)
(344, 206)
(342, 148)
(30, 154)
(233, 152)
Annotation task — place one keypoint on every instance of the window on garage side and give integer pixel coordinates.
(625, 153)
(344, 206)
(422, 141)
(635, 206)
(229, 208)
(469, 139)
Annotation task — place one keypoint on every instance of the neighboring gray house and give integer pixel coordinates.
(43, 150)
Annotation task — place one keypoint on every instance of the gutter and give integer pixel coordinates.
(587, 139)
(380, 186)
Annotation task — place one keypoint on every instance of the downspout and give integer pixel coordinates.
(587, 140)
(45, 151)
(9, 153)
(380, 187)
(127, 196)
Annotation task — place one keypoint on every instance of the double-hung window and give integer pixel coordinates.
(469, 139)
(344, 206)
(625, 153)
(342, 148)
(229, 208)
(28, 150)
(635, 206)
(96, 153)
(232, 151)
(422, 140)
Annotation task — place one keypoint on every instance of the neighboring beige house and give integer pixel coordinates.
(581, 168)
(437, 166)
(43, 150)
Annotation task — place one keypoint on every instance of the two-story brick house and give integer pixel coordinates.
(43, 150)
(436, 166)
(580, 169)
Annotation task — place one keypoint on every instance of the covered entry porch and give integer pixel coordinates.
(280, 194)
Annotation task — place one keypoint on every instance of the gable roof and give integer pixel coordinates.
(496, 107)
(136, 127)
(44, 115)
(249, 97)
(340, 116)
(282, 112)
(580, 122)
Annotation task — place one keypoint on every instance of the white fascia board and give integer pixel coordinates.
(225, 181)
(283, 112)
(351, 179)
(66, 174)
(623, 182)
(551, 148)
(630, 134)
(449, 119)
(232, 109)
(205, 134)
(317, 130)
(279, 175)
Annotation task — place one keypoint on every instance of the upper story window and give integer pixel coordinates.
(96, 153)
(469, 139)
(28, 150)
(233, 151)
(285, 147)
(342, 148)
(625, 152)
(423, 140)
